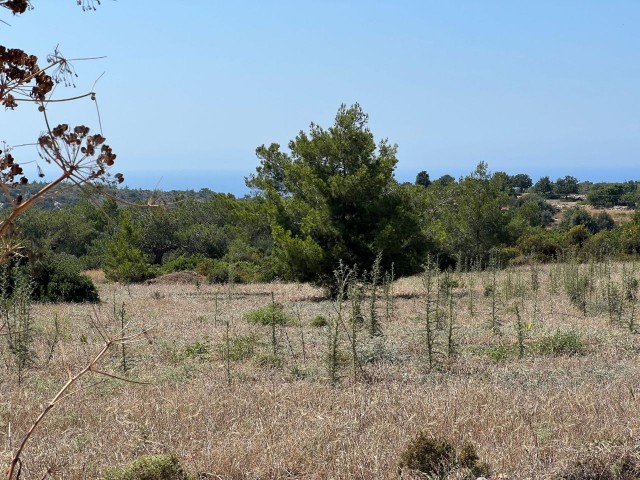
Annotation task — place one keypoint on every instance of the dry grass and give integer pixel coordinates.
(529, 418)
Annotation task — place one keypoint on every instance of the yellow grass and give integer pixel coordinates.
(529, 417)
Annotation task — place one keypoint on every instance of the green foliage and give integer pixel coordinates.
(479, 220)
(498, 353)
(629, 235)
(607, 195)
(124, 260)
(544, 186)
(334, 198)
(196, 350)
(59, 278)
(428, 455)
(269, 315)
(182, 262)
(566, 185)
(422, 178)
(561, 343)
(319, 321)
(15, 316)
(149, 467)
(577, 216)
(533, 210)
(436, 458)
(239, 348)
(545, 244)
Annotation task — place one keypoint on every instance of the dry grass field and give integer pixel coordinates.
(543, 386)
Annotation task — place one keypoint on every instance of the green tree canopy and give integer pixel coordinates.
(333, 198)
(423, 179)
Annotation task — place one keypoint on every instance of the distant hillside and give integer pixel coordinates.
(68, 196)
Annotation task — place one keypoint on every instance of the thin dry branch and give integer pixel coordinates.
(64, 393)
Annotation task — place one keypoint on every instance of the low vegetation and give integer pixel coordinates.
(523, 382)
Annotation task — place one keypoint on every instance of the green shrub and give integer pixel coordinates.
(149, 467)
(181, 263)
(270, 315)
(432, 456)
(216, 271)
(319, 322)
(58, 278)
(240, 348)
(436, 458)
(498, 353)
(562, 343)
(468, 458)
(196, 350)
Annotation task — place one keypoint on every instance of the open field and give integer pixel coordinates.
(534, 380)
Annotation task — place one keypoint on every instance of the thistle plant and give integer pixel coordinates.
(343, 276)
(15, 310)
(373, 325)
(430, 285)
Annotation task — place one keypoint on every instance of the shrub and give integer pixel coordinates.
(468, 458)
(497, 353)
(436, 458)
(428, 455)
(270, 315)
(149, 467)
(216, 271)
(181, 263)
(124, 261)
(562, 343)
(196, 350)
(240, 348)
(319, 322)
(58, 278)
(604, 463)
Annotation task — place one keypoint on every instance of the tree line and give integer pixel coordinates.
(331, 197)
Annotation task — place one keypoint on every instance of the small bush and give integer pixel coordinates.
(240, 348)
(216, 271)
(468, 458)
(269, 315)
(377, 351)
(319, 322)
(149, 467)
(182, 263)
(562, 343)
(497, 353)
(489, 290)
(58, 278)
(436, 458)
(196, 350)
(428, 455)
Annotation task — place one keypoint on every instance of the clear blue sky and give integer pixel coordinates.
(192, 88)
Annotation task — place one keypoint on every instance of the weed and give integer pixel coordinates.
(269, 315)
(149, 467)
(498, 353)
(15, 314)
(239, 348)
(319, 321)
(562, 343)
(196, 350)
